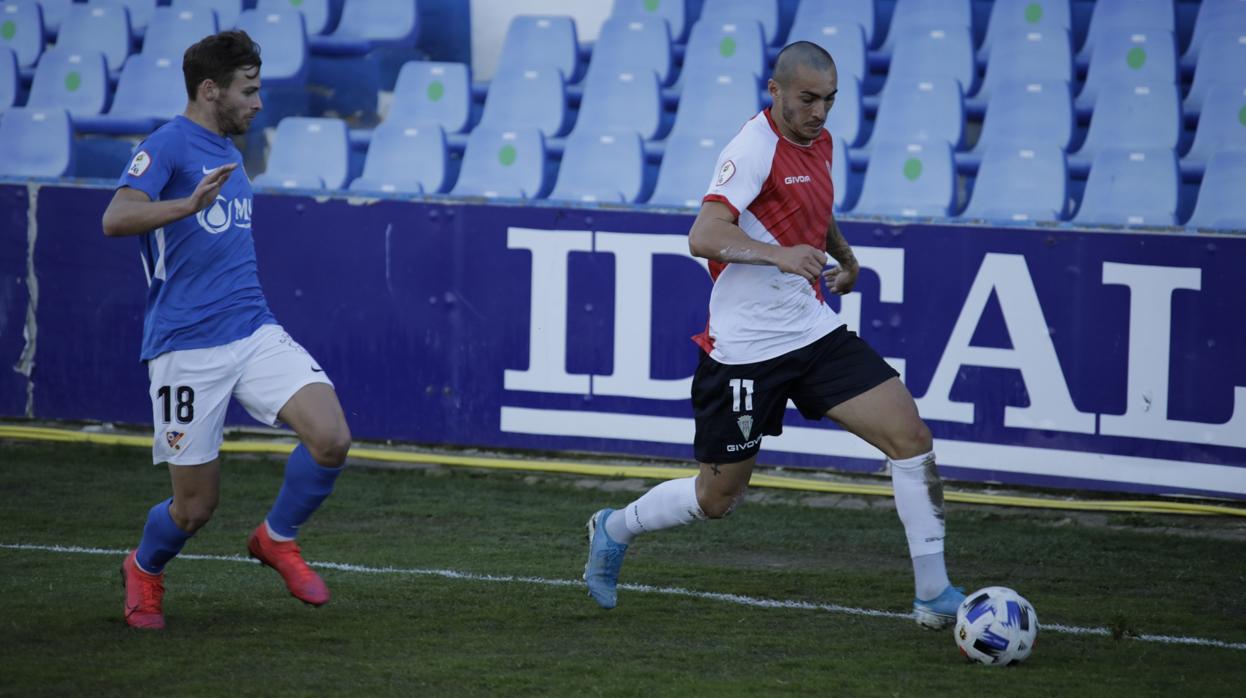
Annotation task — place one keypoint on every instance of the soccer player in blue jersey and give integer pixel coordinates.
(208, 333)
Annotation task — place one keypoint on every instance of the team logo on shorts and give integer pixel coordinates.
(174, 438)
(746, 425)
(725, 173)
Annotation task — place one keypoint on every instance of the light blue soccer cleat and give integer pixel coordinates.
(605, 559)
(939, 612)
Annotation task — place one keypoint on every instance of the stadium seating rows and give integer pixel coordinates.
(1111, 113)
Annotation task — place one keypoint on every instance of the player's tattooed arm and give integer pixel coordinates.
(840, 279)
(716, 236)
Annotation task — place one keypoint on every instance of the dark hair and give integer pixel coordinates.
(800, 53)
(216, 57)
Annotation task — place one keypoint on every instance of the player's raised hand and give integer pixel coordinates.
(210, 186)
(802, 260)
(840, 279)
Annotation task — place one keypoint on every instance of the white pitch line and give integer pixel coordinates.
(737, 599)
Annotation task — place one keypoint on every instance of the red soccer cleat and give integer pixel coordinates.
(143, 594)
(304, 584)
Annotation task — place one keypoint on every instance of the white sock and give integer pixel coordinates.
(274, 535)
(671, 503)
(930, 576)
(919, 502)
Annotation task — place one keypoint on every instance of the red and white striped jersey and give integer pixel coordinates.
(781, 194)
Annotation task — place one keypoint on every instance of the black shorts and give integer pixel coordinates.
(736, 404)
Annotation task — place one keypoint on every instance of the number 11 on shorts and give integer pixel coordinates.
(741, 394)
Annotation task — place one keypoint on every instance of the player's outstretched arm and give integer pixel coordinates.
(715, 236)
(132, 212)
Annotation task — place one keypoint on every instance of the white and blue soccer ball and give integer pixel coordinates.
(996, 626)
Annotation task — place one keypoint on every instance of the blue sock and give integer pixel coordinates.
(162, 539)
(307, 484)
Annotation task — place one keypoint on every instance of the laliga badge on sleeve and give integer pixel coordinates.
(140, 163)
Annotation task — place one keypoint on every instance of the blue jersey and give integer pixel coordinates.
(203, 284)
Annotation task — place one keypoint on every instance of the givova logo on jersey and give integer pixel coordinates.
(224, 213)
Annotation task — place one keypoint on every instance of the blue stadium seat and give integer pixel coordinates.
(725, 46)
(308, 153)
(1220, 204)
(601, 166)
(908, 180)
(522, 98)
(1131, 187)
(633, 44)
(1132, 117)
(432, 93)
(687, 167)
(54, 12)
(406, 159)
(921, 110)
(99, 27)
(1019, 17)
(284, 42)
(713, 103)
(845, 42)
(227, 11)
(1020, 184)
(315, 12)
(1124, 16)
(1029, 115)
(933, 52)
(1142, 57)
(506, 164)
(1222, 125)
(21, 30)
(1223, 55)
(172, 31)
(840, 173)
(820, 13)
(150, 87)
(764, 11)
(539, 42)
(675, 12)
(10, 79)
(847, 116)
(1027, 56)
(940, 14)
(388, 22)
(1214, 16)
(621, 101)
(36, 143)
(140, 12)
(74, 81)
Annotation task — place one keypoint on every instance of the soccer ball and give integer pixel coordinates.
(996, 626)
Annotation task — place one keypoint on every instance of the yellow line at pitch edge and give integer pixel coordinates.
(641, 471)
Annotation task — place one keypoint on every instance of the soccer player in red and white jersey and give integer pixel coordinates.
(766, 226)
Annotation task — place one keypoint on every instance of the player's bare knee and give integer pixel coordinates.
(718, 505)
(193, 514)
(911, 440)
(329, 448)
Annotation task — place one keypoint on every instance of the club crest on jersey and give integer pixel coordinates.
(140, 163)
(174, 438)
(725, 173)
(746, 425)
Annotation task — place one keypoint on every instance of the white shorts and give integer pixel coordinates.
(190, 390)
